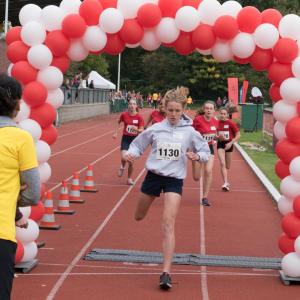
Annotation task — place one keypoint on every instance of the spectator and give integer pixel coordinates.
(91, 85)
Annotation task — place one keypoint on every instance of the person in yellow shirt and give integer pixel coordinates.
(155, 99)
(18, 170)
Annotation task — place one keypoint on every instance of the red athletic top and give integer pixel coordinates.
(228, 129)
(130, 121)
(157, 116)
(208, 129)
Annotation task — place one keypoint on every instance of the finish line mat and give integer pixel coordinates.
(132, 256)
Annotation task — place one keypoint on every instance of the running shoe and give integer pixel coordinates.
(130, 181)
(205, 202)
(165, 282)
(121, 171)
(226, 187)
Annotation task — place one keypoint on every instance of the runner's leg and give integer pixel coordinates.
(143, 206)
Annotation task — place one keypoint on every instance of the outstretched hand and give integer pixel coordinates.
(129, 157)
(192, 156)
(22, 223)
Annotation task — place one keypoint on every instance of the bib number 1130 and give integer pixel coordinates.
(169, 151)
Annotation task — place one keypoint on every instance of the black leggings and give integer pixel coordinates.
(7, 267)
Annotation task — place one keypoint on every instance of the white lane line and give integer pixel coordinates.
(77, 131)
(83, 143)
(231, 190)
(83, 250)
(80, 171)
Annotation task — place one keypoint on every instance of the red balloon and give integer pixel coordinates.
(35, 94)
(285, 50)
(24, 72)
(90, 10)
(241, 61)
(281, 169)
(131, 32)
(62, 63)
(149, 15)
(292, 130)
(184, 45)
(37, 211)
(271, 16)
(286, 150)
(13, 35)
(108, 3)
(279, 72)
(296, 206)
(249, 18)
(226, 27)
(169, 7)
(261, 59)
(286, 244)
(17, 51)
(291, 225)
(45, 114)
(203, 37)
(194, 3)
(114, 45)
(57, 42)
(19, 252)
(73, 26)
(274, 92)
(49, 135)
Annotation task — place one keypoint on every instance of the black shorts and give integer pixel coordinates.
(154, 184)
(126, 141)
(222, 144)
(211, 148)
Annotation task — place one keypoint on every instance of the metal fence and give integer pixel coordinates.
(118, 105)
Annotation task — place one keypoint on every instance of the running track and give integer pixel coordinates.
(243, 222)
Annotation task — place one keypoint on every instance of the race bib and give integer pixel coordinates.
(168, 151)
(209, 137)
(131, 129)
(225, 134)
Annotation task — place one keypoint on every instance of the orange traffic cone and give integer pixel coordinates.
(74, 196)
(48, 220)
(63, 202)
(89, 185)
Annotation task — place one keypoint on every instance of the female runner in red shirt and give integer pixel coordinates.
(228, 133)
(207, 125)
(156, 115)
(133, 125)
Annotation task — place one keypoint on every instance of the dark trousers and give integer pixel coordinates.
(7, 267)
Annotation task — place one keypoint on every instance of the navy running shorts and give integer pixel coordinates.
(211, 148)
(222, 144)
(126, 141)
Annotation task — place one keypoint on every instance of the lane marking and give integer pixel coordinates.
(231, 190)
(84, 249)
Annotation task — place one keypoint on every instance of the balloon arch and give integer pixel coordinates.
(41, 50)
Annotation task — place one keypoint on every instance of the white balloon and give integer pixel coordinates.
(210, 11)
(43, 151)
(187, 18)
(39, 56)
(150, 41)
(30, 252)
(23, 113)
(290, 90)
(32, 127)
(26, 211)
(9, 69)
(231, 8)
(28, 13)
(29, 234)
(70, 6)
(285, 205)
(283, 111)
(221, 52)
(52, 17)
(132, 45)
(51, 77)
(291, 265)
(166, 31)
(294, 168)
(290, 187)
(55, 98)
(297, 245)
(266, 36)
(77, 52)
(45, 172)
(289, 27)
(296, 67)
(94, 39)
(33, 33)
(279, 130)
(129, 8)
(105, 20)
(243, 45)
(204, 52)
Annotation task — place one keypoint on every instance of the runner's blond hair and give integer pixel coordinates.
(178, 95)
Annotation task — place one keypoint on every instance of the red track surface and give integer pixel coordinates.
(243, 222)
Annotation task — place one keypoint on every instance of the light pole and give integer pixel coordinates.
(119, 72)
(6, 17)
